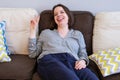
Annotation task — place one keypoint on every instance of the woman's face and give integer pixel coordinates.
(60, 16)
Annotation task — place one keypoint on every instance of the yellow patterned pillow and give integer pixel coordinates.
(108, 61)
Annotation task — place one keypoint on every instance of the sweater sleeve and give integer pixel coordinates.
(82, 49)
(35, 47)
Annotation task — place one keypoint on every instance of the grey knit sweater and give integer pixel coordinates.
(50, 42)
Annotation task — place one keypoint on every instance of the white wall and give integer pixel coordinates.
(90, 5)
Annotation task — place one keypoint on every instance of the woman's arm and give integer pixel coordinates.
(33, 44)
(83, 58)
(33, 26)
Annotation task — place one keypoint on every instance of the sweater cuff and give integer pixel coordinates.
(32, 42)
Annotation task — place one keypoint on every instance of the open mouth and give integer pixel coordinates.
(60, 19)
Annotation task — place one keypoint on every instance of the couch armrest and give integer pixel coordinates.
(94, 68)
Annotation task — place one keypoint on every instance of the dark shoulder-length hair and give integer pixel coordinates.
(68, 12)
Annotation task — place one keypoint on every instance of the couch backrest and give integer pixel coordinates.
(84, 21)
(17, 27)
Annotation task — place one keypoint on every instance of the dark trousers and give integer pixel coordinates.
(61, 67)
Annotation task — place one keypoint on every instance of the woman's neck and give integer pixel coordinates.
(63, 31)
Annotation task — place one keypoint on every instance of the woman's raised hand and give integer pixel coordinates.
(33, 26)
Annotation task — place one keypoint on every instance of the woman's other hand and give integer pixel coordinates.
(80, 64)
(33, 26)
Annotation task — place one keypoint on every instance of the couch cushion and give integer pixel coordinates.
(112, 77)
(17, 29)
(21, 67)
(108, 61)
(36, 76)
(106, 31)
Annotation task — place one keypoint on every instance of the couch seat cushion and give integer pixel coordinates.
(21, 67)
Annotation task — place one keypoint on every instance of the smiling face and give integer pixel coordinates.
(60, 16)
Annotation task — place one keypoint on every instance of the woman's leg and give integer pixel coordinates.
(86, 74)
(51, 68)
(83, 74)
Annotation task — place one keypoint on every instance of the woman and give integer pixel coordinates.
(61, 52)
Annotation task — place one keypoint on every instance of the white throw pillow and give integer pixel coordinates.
(18, 27)
(106, 31)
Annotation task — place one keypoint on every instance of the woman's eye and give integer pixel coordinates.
(59, 13)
